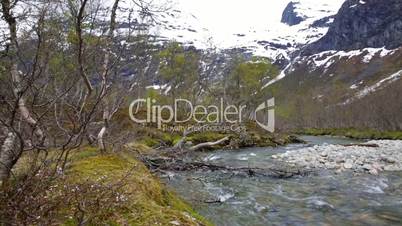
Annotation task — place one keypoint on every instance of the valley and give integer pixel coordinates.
(159, 112)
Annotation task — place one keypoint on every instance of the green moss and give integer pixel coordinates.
(85, 152)
(149, 202)
(176, 140)
(139, 148)
(152, 137)
(150, 142)
(170, 139)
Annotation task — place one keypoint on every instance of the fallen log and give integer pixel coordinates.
(212, 201)
(172, 164)
(208, 144)
(362, 145)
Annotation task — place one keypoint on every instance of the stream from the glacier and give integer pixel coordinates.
(323, 198)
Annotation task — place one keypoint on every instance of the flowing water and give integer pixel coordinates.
(325, 198)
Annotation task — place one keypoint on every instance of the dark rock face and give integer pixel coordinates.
(268, 44)
(362, 24)
(324, 22)
(289, 16)
(281, 62)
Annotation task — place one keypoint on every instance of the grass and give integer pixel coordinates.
(354, 133)
(148, 201)
(152, 137)
(111, 189)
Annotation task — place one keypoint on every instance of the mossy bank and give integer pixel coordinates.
(109, 189)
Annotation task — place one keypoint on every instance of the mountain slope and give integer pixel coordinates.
(351, 76)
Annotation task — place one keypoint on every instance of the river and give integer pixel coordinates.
(323, 198)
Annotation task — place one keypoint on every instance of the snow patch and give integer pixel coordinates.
(156, 87)
(386, 81)
(279, 77)
(327, 58)
(373, 88)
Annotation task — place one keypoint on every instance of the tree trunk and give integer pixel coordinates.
(7, 157)
(103, 131)
(105, 71)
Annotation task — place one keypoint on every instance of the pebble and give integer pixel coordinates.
(391, 168)
(373, 172)
(372, 160)
(348, 164)
(359, 162)
(367, 167)
(389, 160)
(340, 160)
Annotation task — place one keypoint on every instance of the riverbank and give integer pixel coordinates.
(371, 157)
(251, 136)
(353, 133)
(105, 188)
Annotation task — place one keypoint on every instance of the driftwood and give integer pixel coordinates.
(361, 145)
(212, 201)
(180, 144)
(208, 144)
(162, 164)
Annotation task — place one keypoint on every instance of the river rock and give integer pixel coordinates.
(388, 160)
(324, 154)
(330, 165)
(359, 162)
(322, 160)
(373, 172)
(377, 166)
(374, 158)
(367, 167)
(339, 160)
(348, 164)
(391, 168)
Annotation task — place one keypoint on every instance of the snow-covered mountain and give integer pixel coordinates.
(270, 39)
(313, 38)
(308, 38)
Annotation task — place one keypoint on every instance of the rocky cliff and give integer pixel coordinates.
(362, 24)
(290, 16)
